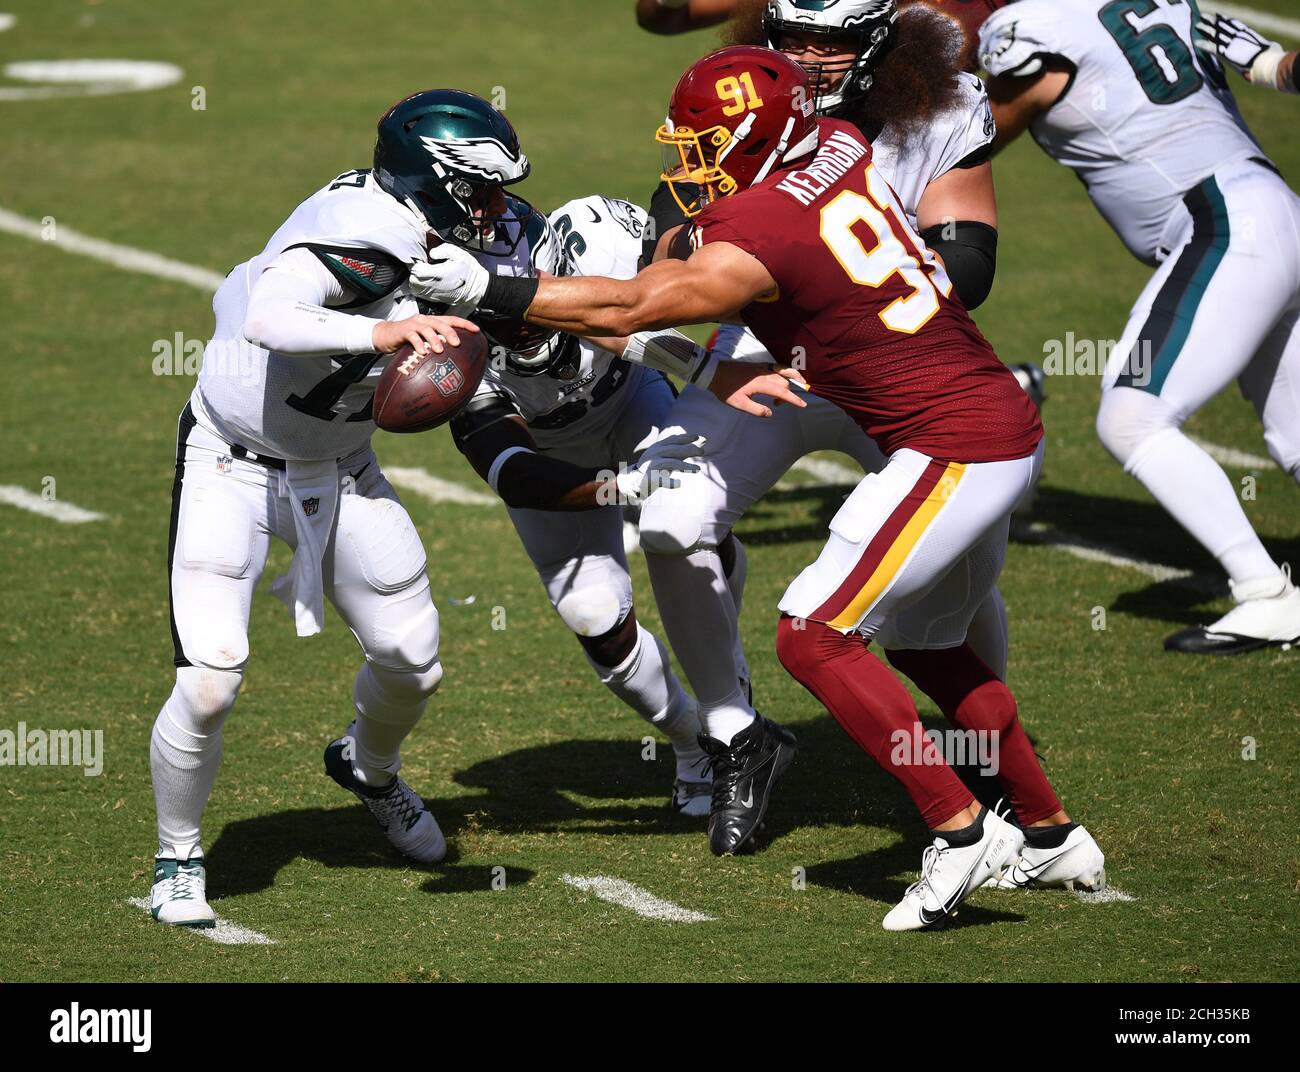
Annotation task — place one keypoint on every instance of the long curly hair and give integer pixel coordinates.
(915, 80)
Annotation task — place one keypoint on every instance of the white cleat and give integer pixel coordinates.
(1267, 613)
(179, 896)
(1078, 864)
(950, 874)
(409, 826)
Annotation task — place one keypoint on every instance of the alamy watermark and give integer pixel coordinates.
(918, 747)
(53, 748)
(1073, 356)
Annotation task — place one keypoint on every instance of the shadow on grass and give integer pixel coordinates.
(249, 853)
(599, 787)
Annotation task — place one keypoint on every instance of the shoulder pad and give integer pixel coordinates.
(367, 274)
(1014, 40)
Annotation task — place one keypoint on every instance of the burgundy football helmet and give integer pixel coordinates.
(735, 116)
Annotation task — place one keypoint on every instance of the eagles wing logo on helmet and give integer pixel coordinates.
(484, 157)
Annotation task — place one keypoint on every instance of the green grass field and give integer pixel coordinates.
(527, 762)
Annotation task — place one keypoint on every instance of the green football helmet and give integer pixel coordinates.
(447, 153)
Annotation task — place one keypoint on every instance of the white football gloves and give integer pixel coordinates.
(451, 276)
(670, 456)
(1255, 57)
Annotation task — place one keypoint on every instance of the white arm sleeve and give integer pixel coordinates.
(287, 310)
(736, 342)
(668, 351)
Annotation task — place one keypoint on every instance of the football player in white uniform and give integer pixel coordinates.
(555, 429)
(1118, 91)
(275, 442)
(931, 129)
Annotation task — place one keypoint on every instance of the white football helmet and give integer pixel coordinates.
(529, 350)
(869, 22)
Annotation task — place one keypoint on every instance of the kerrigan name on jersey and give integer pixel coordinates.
(840, 152)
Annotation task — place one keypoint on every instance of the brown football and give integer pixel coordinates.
(417, 392)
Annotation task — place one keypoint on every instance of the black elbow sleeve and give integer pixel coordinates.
(665, 214)
(970, 254)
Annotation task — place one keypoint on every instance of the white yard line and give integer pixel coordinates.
(1258, 20)
(435, 489)
(626, 895)
(127, 257)
(13, 495)
(1231, 456)
(1107, 896)
(827, 471)
(1091, 551)
(224, 933)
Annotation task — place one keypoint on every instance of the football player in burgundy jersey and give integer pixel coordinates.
(796, 234)
(894, 73)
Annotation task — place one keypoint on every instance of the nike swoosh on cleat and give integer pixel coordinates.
(748, 802)
(1037, 869)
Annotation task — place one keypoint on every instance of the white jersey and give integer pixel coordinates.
(303, 407)
(1146, 117)
(603, 237)
(962, 134)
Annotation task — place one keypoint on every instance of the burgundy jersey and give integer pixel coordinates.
(865, 310)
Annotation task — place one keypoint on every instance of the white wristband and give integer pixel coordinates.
(359, 335)
(1264, 71)
(668, 351)
(494, 473)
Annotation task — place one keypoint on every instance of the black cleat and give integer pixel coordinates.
(744, 774)
(1204, 640)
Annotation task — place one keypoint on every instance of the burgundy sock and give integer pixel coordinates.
(972, 697)
(875, 710)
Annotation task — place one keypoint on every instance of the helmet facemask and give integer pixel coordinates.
(479, 231)
(529, 350)
(837, 82)
(692, 165)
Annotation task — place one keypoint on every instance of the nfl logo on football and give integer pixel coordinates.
(446, 377)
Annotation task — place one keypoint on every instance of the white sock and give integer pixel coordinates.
(389, 703)
(646, 683)
(725, 719)
(185, 753)
(1198, 494)
(699, 616)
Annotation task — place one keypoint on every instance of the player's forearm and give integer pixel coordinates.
(679, 16)
(285, 315)
(597, 306)
(526, 480)
(1277, 72)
